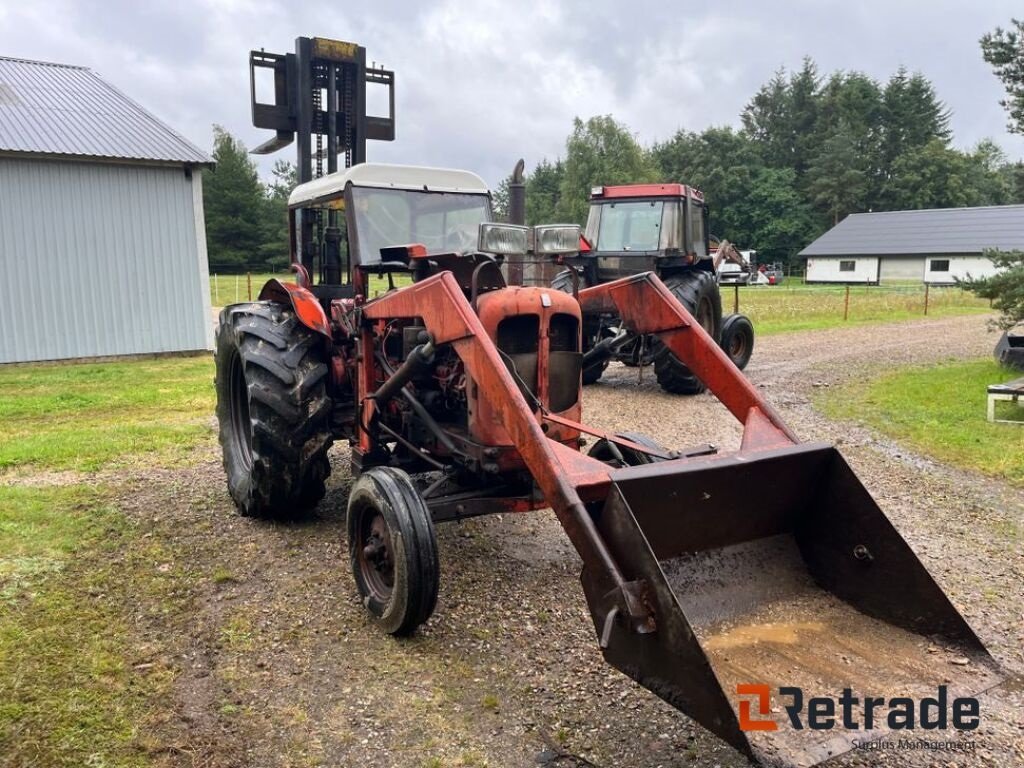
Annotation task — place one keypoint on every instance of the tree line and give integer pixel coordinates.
(811, 150)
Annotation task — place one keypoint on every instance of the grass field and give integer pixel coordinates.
(231, 289)
(85, 417)
(939, 411)
(76, 686)
(798, 307)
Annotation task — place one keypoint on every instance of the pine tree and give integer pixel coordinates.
(234, 202)
(1004, 51)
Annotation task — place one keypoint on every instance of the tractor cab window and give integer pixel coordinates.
(697, 229)
(641, 225)
(443, 222)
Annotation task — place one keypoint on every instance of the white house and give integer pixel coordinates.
(933, 246)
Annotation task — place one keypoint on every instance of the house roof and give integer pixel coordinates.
(386, 176)
(58, 109)
(937, 230)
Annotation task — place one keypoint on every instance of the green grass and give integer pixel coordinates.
(87, 416)
(69, 692)
(231, 289)
(796, 307)
(939, 411)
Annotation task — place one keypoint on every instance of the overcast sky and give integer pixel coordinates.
(482, 82)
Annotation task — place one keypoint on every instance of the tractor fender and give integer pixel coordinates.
(307, 307)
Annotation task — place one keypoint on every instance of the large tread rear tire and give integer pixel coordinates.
(273, 410)
(592, 373)
(698, 292)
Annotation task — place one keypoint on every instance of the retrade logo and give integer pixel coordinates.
(763, 693)
(855, 713)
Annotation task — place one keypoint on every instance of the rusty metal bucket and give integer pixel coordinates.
(777, 568)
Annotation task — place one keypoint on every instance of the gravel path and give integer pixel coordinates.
(279, 665)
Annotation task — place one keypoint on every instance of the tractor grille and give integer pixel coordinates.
(518, 337)
(564, 362)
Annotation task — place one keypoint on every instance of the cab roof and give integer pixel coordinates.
(387, 176)
(645, 190)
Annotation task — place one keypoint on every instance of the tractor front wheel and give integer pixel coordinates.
(698, 292)
(738, 339)
(273, 410)
(393, 549)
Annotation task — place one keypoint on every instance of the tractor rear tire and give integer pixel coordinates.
(591, 373)
(273, 410)
(738, 339)
(393, 550)
(698, 292)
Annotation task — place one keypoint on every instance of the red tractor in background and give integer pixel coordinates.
(661, 228)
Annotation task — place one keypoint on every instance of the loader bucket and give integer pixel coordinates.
(776, 567)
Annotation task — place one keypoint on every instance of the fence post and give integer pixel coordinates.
(236, 288)
(248, 281)
(846, 303)
(926, 286)
(736, 299)
(216, 291)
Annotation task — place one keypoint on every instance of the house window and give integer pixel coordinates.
(848, 266)
(939, 265)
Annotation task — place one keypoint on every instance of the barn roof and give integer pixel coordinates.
(58, 109)
(937, 230)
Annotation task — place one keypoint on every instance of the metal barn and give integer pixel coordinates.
(935, 246)
(102, 236)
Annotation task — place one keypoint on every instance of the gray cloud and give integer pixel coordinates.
(483, 82)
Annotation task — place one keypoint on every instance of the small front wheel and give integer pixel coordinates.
(393, 550)
(738, 339)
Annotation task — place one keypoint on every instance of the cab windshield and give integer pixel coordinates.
(444, 222)
(635, 225)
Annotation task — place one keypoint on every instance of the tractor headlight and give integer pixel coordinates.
(504, 239)
(556, 238)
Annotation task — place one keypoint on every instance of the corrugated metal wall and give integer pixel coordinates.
(98, 260)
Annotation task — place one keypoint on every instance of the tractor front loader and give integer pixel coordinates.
(460, 396)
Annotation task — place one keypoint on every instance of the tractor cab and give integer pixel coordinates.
(365, 216)
(376, 218)
(640, 227)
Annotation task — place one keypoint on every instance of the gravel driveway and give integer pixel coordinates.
(279, 666)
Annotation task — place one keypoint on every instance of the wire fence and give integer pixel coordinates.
(795, 304)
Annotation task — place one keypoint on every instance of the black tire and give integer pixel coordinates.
(609, 453)
(393, 550)
(273, 410)
(698, 292)
(591, 373)
(738, 339)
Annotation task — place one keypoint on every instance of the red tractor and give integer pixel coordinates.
(661, 228)
(458, 396)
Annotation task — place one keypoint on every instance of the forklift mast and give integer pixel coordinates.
(320, 99)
